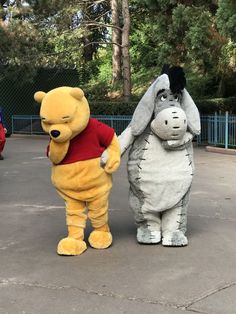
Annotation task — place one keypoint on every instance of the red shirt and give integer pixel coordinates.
(90, 143)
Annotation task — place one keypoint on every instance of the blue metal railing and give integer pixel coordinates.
(216, 130)
(119, 123)
(26, 124)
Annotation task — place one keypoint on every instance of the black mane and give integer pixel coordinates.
(176, 77)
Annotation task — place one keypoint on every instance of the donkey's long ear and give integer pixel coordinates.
(144, 110)
(192, 113)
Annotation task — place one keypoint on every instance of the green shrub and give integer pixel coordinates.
(205, 106)
(112, 108)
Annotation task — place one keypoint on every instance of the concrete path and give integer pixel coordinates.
(128, 277)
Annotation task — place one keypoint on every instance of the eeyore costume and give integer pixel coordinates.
(160, 164)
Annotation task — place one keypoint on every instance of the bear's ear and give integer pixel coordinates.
(77, 93)
(38, 96)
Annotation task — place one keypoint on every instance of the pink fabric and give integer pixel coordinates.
(2, 138)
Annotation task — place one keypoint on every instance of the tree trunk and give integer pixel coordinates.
(125, 51)
(88, 50)
(116, 39)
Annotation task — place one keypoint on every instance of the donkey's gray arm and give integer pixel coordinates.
(126, 139)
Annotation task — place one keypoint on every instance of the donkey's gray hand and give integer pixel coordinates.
(104, 158)
(172, 144)
(178, 144)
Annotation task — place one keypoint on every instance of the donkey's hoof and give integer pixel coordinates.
(147, 235)
(176, 238)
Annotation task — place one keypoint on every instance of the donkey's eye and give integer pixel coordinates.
(176, 98)
(163, 97)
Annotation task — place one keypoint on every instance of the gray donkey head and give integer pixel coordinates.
(168, 107)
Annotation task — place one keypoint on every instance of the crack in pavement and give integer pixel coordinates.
(208, 294)
(13, 281)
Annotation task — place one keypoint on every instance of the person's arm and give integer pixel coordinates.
(56, 152)
(110, 158)
(113, 155)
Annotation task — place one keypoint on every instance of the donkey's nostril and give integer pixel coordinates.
(175, 127)
(166, 122)
(55, 133)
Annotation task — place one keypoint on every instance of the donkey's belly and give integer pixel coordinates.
(161, 176)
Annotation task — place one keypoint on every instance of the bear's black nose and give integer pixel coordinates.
(55, 133)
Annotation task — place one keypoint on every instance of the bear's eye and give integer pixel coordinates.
(65, 119)
(43, 119)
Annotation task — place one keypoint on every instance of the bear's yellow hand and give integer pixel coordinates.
(57, 151)
(113, 150)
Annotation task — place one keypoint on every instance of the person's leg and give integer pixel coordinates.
(174, 224)
(73, 244)
(100, 237)
(148, 222)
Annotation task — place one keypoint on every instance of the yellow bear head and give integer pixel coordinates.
(64, 112)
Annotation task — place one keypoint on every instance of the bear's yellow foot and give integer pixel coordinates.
(71, 246)
(100, 239)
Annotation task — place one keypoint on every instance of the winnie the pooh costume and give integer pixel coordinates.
(76, 145)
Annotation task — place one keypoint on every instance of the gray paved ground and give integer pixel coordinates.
(128, 277)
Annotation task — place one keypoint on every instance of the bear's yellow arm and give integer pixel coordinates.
(57, 151)
(113, 150)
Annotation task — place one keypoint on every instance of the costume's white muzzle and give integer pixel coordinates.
(170, 124)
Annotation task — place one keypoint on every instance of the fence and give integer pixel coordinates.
(16, 94)
(25, 124)
(217, 130)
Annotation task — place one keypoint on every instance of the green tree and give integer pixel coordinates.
(61, 35)
(68, 35)
(226, 18)
(178, 33)
(226, 22)
(183, 32)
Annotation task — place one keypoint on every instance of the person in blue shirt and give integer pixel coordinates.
(3, 132)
